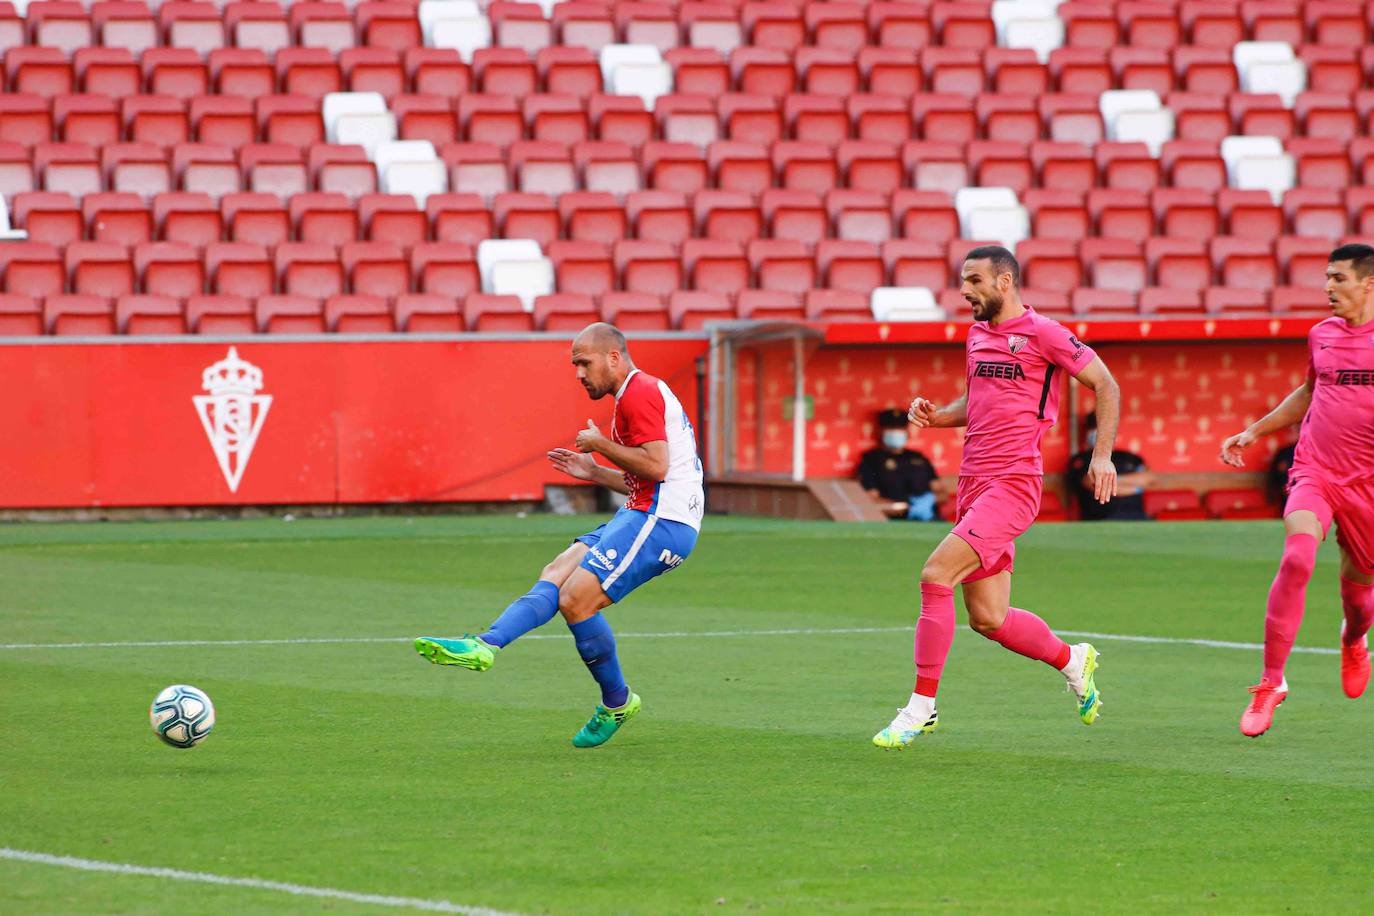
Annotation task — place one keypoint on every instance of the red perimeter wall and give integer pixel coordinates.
(351, 422)
(405, 421)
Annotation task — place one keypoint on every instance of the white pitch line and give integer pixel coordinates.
(838, 631)
(300, 890)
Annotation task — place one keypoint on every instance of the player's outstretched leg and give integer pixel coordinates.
(1357, 601)
(934, 636)
(596, 644)
(1283, 616)
(531, 610)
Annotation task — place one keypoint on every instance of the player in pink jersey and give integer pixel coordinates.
(1330, 481)
(1014, 359)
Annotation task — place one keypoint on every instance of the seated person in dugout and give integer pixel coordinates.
(902, 481)
(1132, 478)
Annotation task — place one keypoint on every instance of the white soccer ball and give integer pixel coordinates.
(182, 715)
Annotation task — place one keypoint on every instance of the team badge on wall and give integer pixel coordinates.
(232, 413)
(1016, 342)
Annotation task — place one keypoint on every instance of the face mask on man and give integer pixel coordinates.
(1091, 438)
(894, 439)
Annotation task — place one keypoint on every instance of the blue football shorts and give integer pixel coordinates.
(632, 548)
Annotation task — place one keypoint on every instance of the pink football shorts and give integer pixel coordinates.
(991, 513)
(1350, 506)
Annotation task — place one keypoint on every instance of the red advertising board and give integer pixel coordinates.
(141, 424)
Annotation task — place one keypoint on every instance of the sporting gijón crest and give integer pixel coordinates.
(232, 413)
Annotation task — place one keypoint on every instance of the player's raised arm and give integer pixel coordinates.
(648, 460)
(1101, 471)
(924, 413)
(1289, 412)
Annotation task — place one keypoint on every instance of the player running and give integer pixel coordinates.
(1011, 399)
(653, 444)
(1330, 481)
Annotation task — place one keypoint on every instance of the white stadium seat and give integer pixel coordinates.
(526, 279)
(464, 35)
(992, 213)
(637, 70)
(1033, 24)
(411, 167)
(905, 303)
(1258, 164)
(1269, 67)
(358, 117)
(7, 232)
(491, 252)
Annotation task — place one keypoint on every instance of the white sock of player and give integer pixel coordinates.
(919, 707)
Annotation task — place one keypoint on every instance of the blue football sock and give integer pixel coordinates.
(596, 645)
(527, 612)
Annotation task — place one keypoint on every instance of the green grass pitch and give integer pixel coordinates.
(747, 783)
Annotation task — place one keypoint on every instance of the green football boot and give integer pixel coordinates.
(467, 651)
(1082, 683)
(905, 729)
(604, 723)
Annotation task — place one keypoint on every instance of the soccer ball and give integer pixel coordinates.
(182, 715)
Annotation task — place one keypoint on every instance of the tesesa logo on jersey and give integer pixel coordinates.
(1078, 346)
(232, 413)
(1011, 371)
(669, 559)
(1355, 376)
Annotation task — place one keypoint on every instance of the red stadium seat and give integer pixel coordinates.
(20, 316)
(1102, 302)
(437, 71)
(309, 269)
(32, 269)
(239, 269)
(782, 265)
(660, 216)
(850, 265)
(1174, 505)
(729, 216)
(90, 119)
(916, 262)
(51, 217)
(324, 217)
(488, 312)
(1057, 214)
(445, 269)
(1230, 301)
(1252, 214)
(861, 216)
(1194, 164)
(1179, 263)
(1164, 302)
(504, 71)
(140, 315)
(1303, 260)
(1089, 25)
(635, 311)
(715, 266)
(927, 215)
(1139, 67)
(837, 305)
(44, 72)
(169, 269)
(816, 118)
(99, 269)
(358, 314)
(1244, 262)
(564, 311)
(274, 168)
(1211, 24)
(375, 268)
(1238, 503)
(117, 217)
(220, 315)
(1050, 264)
(769, 305)
(76, 314)
(1114, 264)
(426, 313)
(254, 217)
(289, 314)
(794, 215)
(592, 216)
(696, 71)
(1185, 212)
(1121, 214)
(1080, 70)
(393, 218)
(648, 267)
(124, 25)
(527, 216)
(584, 268)
(373, 69)
(689, 310)
(1205, 69)
(557, 118)
(828, 71)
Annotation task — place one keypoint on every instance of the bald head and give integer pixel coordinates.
(601, 337)
(602, 359)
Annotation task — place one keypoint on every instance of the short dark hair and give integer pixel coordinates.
(1360, 256)
(1003, 261)
(892, 419)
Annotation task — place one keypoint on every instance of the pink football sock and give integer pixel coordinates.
(1286, 598)
(1358, 602)
(934, 636)
(1024, 633)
